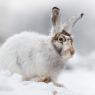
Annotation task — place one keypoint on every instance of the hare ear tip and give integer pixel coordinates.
(55, 8)
(82, 14)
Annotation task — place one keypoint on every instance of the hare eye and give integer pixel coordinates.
(61, 39)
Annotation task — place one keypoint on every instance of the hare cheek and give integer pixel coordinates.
(58, 45)
(66, 54)
(68, 51)
(66, 46)
(69, 48)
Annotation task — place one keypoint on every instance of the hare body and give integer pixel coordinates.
(39, 57)
(30, 54)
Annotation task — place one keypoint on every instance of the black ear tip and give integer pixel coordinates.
(82, 14)
(55, 8)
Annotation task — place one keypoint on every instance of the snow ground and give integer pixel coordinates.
(80, 80)
(76, 82)
(13, 85)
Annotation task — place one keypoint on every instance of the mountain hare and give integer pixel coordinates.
(39, 57)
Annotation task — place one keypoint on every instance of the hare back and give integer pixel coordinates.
(30, 54)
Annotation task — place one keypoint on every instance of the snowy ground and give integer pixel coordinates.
(79, 80)
(13, 85)
(76, 83)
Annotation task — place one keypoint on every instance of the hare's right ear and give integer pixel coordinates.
(56, 20)
(68, 25)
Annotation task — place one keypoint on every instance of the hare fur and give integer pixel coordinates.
(38, 57)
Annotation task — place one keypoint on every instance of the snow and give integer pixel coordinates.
(82, 62)
(12, 84)
(76, 82)
(80, 80)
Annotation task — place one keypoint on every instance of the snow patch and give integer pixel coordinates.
(12, 84)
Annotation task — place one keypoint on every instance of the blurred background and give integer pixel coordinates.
(35, 15)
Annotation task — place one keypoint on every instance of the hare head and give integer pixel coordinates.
(62, 39)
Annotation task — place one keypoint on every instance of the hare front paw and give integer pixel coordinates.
(41, 79)
(44, 79)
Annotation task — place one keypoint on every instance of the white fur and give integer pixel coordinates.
(34, 55)
(30, 54)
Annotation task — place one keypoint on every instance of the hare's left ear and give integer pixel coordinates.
(56, 20)
(71, 22)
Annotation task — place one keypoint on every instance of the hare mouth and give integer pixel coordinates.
(69, 52)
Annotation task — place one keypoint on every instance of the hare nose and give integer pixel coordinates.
(72, 51)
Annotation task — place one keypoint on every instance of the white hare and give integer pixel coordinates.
(40, 57)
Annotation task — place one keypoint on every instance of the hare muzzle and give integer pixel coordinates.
(72, 51)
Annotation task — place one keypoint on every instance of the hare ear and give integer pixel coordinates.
(56, 20)
(71, 22)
